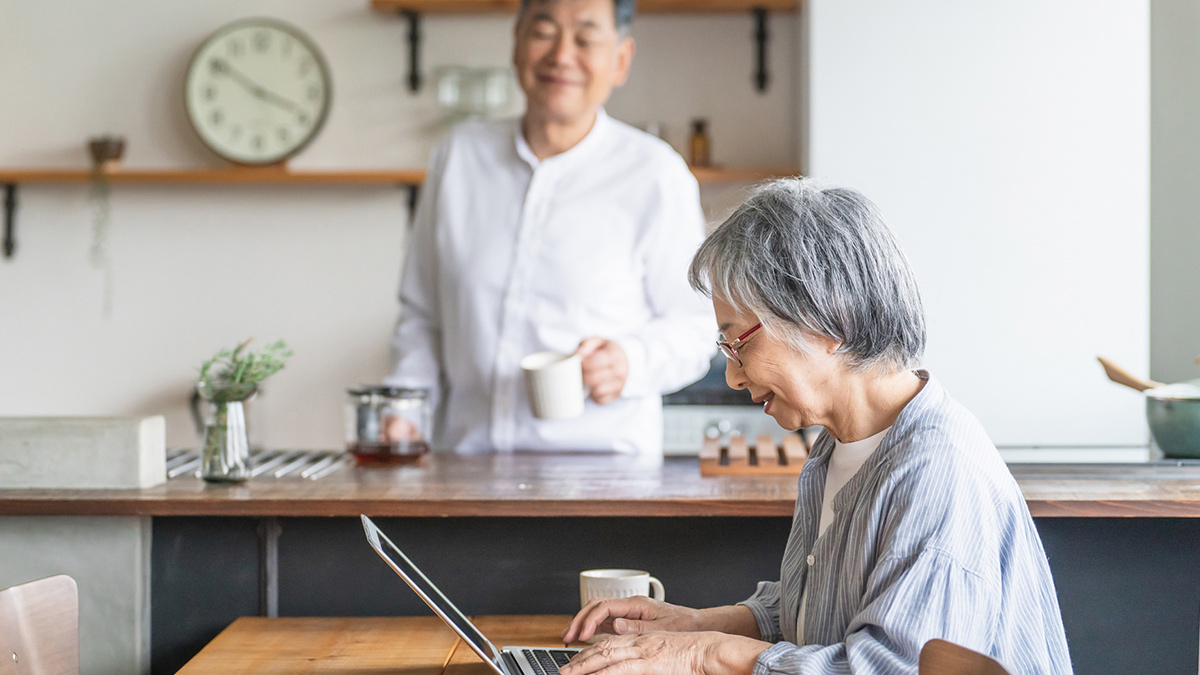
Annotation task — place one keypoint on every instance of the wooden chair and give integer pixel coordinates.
(939, 657)
(39, 628)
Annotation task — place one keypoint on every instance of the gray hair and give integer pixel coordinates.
(808, 260)
(622, 13)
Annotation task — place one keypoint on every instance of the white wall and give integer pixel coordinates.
(1008, 144)
(197, 268)
(1175, 190)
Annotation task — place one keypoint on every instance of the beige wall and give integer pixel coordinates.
(197, 268)
(1175, 190)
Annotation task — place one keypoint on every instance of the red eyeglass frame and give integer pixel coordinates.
(730, 348)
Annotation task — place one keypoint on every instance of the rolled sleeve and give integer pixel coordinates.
(764, 604)
(782, 657)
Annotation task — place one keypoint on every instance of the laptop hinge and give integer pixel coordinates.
(510, 664)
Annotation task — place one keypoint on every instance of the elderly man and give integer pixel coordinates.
(564, 230)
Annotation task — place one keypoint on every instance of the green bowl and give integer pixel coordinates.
(1175, 424)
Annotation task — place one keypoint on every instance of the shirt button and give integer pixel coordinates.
(811, 560)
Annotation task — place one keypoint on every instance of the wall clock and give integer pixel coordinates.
(257, 91)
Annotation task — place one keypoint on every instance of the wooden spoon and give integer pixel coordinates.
(1121, 376)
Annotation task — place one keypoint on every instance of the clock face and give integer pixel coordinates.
(257, 91)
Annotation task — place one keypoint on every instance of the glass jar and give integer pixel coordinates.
(225, 456)
(387, 425)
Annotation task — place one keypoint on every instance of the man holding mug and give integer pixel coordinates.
(565, 231)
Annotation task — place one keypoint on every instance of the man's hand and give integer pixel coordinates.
(605, 368)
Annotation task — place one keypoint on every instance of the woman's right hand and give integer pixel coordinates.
(623, 616)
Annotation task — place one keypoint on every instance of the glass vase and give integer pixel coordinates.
(225, 457)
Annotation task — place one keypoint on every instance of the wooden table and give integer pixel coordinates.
(408, 645)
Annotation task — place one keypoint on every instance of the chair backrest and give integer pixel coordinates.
(39, 628)
(939, 657)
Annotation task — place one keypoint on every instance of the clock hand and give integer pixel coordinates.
(222, 67)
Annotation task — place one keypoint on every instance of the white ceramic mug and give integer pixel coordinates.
(554, 382)
(614, 583)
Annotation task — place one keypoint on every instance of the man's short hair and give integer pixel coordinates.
(622, 13)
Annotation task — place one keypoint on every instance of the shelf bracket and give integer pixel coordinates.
(10, 214)
(414, 48)
(414, 191)
(761, 76)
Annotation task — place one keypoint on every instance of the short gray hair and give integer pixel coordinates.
(811, 260)
(622, 13)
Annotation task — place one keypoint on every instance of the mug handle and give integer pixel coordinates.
(657, 591)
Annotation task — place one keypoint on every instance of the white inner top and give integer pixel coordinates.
(845, 461)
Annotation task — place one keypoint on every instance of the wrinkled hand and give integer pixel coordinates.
(661, 653)
(605, 368)
(638, 614)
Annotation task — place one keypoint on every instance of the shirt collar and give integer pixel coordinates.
(906, 423)
(594, 136)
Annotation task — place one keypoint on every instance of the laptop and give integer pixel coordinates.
(506, 661)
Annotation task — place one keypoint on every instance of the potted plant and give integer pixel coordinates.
(226, 380)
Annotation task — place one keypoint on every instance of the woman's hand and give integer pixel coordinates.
(661, 653)
(638, 614)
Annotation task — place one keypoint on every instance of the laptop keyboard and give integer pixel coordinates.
(547, 661)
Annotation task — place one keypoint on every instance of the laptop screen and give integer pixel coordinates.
(430, 593)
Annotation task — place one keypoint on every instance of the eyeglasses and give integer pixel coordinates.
(730, 348)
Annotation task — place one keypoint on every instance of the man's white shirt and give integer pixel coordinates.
(510, 255)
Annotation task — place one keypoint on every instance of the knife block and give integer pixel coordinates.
(763, 459)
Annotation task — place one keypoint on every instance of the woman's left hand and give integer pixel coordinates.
(661, 653)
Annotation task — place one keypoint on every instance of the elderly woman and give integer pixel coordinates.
(908, 525)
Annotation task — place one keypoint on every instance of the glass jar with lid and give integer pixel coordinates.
(387, 425)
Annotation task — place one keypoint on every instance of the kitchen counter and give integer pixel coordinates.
(529, 484)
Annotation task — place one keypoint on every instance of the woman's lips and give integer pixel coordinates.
(766, 401)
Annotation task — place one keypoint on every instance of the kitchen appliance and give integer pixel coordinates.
(387, 425)
(710, 409)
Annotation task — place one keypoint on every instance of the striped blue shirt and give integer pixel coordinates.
(930, 539)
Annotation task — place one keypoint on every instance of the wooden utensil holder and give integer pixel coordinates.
(765, 458)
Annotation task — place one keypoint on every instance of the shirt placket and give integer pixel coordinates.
(516, 306)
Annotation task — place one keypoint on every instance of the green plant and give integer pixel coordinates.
(234, 374)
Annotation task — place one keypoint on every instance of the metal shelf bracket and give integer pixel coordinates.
(761, 76)
(10, 214)
(414, 48)
(414, 191)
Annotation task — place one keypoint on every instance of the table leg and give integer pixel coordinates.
(268, 566)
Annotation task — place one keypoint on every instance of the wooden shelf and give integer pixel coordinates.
(709, 175)
(644, 6)
(274, 176)
(220, 176)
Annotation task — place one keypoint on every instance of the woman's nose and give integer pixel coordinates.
(735, 377)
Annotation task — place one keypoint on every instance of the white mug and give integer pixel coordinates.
(554, 382)
(613, 583)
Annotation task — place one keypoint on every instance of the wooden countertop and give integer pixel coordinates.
(534, 484)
